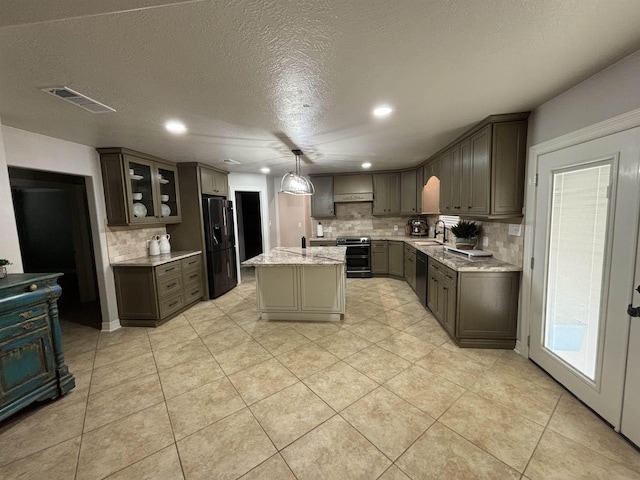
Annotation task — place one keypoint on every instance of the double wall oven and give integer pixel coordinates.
(358, 256)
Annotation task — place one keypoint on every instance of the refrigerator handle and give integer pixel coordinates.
(224, 221)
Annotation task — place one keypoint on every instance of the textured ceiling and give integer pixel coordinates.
(253, 79)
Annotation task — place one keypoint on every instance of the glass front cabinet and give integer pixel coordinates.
(139, 188)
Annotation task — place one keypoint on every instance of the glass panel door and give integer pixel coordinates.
(141, 179)
(168, 192)
(577, 241)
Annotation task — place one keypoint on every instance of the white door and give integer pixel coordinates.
(586, 228)
(631, 405)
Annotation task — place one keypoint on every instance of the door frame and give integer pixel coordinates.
(613, 125)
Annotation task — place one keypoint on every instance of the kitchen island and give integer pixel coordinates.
(301, 283)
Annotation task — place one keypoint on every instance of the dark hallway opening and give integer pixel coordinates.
(54, 231)
(249, 224)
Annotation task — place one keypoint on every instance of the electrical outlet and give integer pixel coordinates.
(515, 230)
(485, 241)
(395, 228)
(299, 224)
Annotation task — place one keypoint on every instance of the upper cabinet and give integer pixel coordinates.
(139, 189)
(408, 196)
(322, 199)
(214, 182)
(386, 194)
(482, 174)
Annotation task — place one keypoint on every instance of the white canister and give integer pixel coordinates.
(320, 230)
(154, 245)
(165, 246)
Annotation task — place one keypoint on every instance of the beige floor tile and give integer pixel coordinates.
(121, 335)
(378, 364)
(259, 381)
(429, 392)
(263, 327)
(116, 373)
(203, 406)
(453, 366)
(119, 444)
(372, 331)
(80, 362)
(250, 314)
(189, 375)
(164, 464)
(241, 356)
(362, 311)
(443, 454)
(340, 385)
(235, 307)
(171, 337)
(35, 429)
(206, 326)
(394, 473)
(274, 468)
(316, 330)
(180, 353)
(427, 330)
(529, 400)
(122, 400)
(494, 428)
(228, 301)
(484, 356)
(55, 463)
(307, 360)
(414, 309)
(122, 351)
(226, 449)
(224, 339)
(407, 346)
(521, 367)
(175, 322)
(559, 458)
(291, 413)
(334, 450)
(282, 340)
(79, 345)
(397, 319)
(343, 343)
(573, 420)
(81, 390)
(203, 310)
(387, 421)
(393, 300)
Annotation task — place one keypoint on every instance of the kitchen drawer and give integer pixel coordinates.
(23, 327)
(193, 262)
(448, 275)
(171, 305)
(192, 278)
(168, 287)
(192, 294)
(168, 269)
(27, 313)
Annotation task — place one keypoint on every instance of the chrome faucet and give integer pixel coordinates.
(444, 230)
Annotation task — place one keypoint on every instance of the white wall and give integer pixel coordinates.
(9, 244)
(609, 93)
(38, 152)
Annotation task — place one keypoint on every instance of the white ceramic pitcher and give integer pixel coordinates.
(154, 245)
(165, 246)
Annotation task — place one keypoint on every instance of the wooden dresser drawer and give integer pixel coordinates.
(27, 313)
(20, 328)
(168, 269)
(168, 287)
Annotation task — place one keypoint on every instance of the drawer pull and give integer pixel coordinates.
(170, 269)
(171, 285)
(33, 287)
(195, 275)
(26, 314)
(174, 303)
(28, 325)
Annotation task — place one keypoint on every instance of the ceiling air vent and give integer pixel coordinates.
(77, 99)
(230, 162)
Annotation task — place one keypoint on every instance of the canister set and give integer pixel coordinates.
(159, 244)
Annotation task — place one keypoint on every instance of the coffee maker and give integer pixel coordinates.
(419, 228)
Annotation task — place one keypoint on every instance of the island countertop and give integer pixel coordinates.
(299, 256)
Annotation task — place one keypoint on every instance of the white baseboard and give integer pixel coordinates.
(521, 349)
(110, 326)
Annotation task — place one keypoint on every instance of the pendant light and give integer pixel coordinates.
(295, 184)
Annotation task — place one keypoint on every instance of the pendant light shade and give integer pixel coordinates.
(295, 184)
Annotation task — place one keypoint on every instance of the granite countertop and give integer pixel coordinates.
(155, 260)
(300, 256)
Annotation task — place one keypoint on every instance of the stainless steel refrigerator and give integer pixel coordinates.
(221, 244)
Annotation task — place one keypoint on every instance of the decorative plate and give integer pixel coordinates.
(136, 177)
(163, 181)
(139, 210)
(166, 210)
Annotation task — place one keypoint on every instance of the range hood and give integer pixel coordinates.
(353, 188)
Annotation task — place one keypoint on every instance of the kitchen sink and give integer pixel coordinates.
(425, 243)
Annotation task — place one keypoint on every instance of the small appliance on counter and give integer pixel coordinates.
(419, 228)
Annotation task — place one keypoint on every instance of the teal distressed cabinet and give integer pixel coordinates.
(31, 360)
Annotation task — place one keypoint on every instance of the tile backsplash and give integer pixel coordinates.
(353, 219)
(126, 243)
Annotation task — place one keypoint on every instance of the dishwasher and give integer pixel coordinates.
(421, 277)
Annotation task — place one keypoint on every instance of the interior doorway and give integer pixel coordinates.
(54, 232)
(249, 229)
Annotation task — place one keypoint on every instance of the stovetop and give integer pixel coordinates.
(353, 240)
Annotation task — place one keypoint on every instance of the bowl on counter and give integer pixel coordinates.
(164, 198)
(137, 196)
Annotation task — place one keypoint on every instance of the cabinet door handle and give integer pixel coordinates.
(171, 285)
(26, 314)
(170, 269)
(193, 276)
(174, 303)
(33, 287)
(27, 325)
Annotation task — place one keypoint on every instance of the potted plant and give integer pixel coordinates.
(3, 267)
(466, 233)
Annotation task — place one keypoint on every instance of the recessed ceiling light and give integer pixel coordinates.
(382, 111)
(175, 127)
(265, 170)
(366, 165)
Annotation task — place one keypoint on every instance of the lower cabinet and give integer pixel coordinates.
(150, 295)
(396, 258)
(32, 364)
(410, 266)
(478, 309)
(379, 257)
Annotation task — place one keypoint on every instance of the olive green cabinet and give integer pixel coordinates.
(139, 189)
(396, 258)
(478, 309)
(357, 187)
(214, 182)
(410, 265)
(408, 195)
(322, 200)
(386, 194)
(379, 257)
(150, 295)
